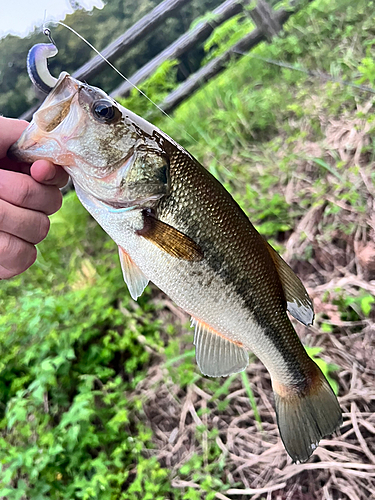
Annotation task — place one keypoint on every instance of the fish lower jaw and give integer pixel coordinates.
(33, 149)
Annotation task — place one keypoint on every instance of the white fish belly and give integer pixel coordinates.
(196, 289)
(193, 286)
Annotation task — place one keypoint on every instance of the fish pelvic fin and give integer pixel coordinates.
(306, 416)
(298, 301)
(133, 276)
(216, 355)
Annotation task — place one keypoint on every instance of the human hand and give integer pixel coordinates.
(28, 194)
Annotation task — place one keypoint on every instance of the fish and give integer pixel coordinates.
(176, 226)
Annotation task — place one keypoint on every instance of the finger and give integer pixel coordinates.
(10, 131)
(28, 225)
(5, 273)
(23, 191)
(47, 173)
(16, 255)
(14, 166)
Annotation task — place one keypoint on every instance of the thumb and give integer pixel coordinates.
(10, 131)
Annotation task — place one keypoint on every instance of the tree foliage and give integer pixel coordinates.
(100, 27)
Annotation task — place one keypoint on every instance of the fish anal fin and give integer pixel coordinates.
(306, 415)
(169, 239)
(133, 276)
(216, 355)
(298, 301)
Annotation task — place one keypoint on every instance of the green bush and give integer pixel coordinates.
(68, 358)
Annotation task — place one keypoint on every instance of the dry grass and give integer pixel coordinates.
(343, 467)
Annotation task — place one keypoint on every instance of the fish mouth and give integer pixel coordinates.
(33, 145)
(55, 118)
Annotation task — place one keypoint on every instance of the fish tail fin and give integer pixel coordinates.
(305, 416)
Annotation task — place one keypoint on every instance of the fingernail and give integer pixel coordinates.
(51, 174)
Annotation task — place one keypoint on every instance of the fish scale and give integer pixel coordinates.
(177, 226)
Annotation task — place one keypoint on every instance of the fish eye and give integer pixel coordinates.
(105, 111)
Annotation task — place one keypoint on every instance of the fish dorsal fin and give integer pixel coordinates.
(170, 239)
(133, 276)
(217, 356)
(299, 303)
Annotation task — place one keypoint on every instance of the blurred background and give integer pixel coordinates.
(100, 396)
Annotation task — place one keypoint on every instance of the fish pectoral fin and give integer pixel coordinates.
(299, 303)
(216, 355)
(170, 239)
(133, 276)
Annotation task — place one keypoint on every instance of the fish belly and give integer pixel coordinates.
(195, 288)
(198, 290)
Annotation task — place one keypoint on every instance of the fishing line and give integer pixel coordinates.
(315, 74)
(113, 67)
(119, 73)
(47, 32)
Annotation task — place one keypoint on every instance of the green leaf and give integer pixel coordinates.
(366, 304)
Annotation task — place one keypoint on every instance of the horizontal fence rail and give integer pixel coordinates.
(268, 20)
(182, 45)
(132, 36)
(269, 23)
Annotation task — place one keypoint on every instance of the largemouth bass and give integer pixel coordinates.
(177, 226)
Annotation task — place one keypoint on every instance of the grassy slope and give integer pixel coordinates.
(101, 397)
(297, 153)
